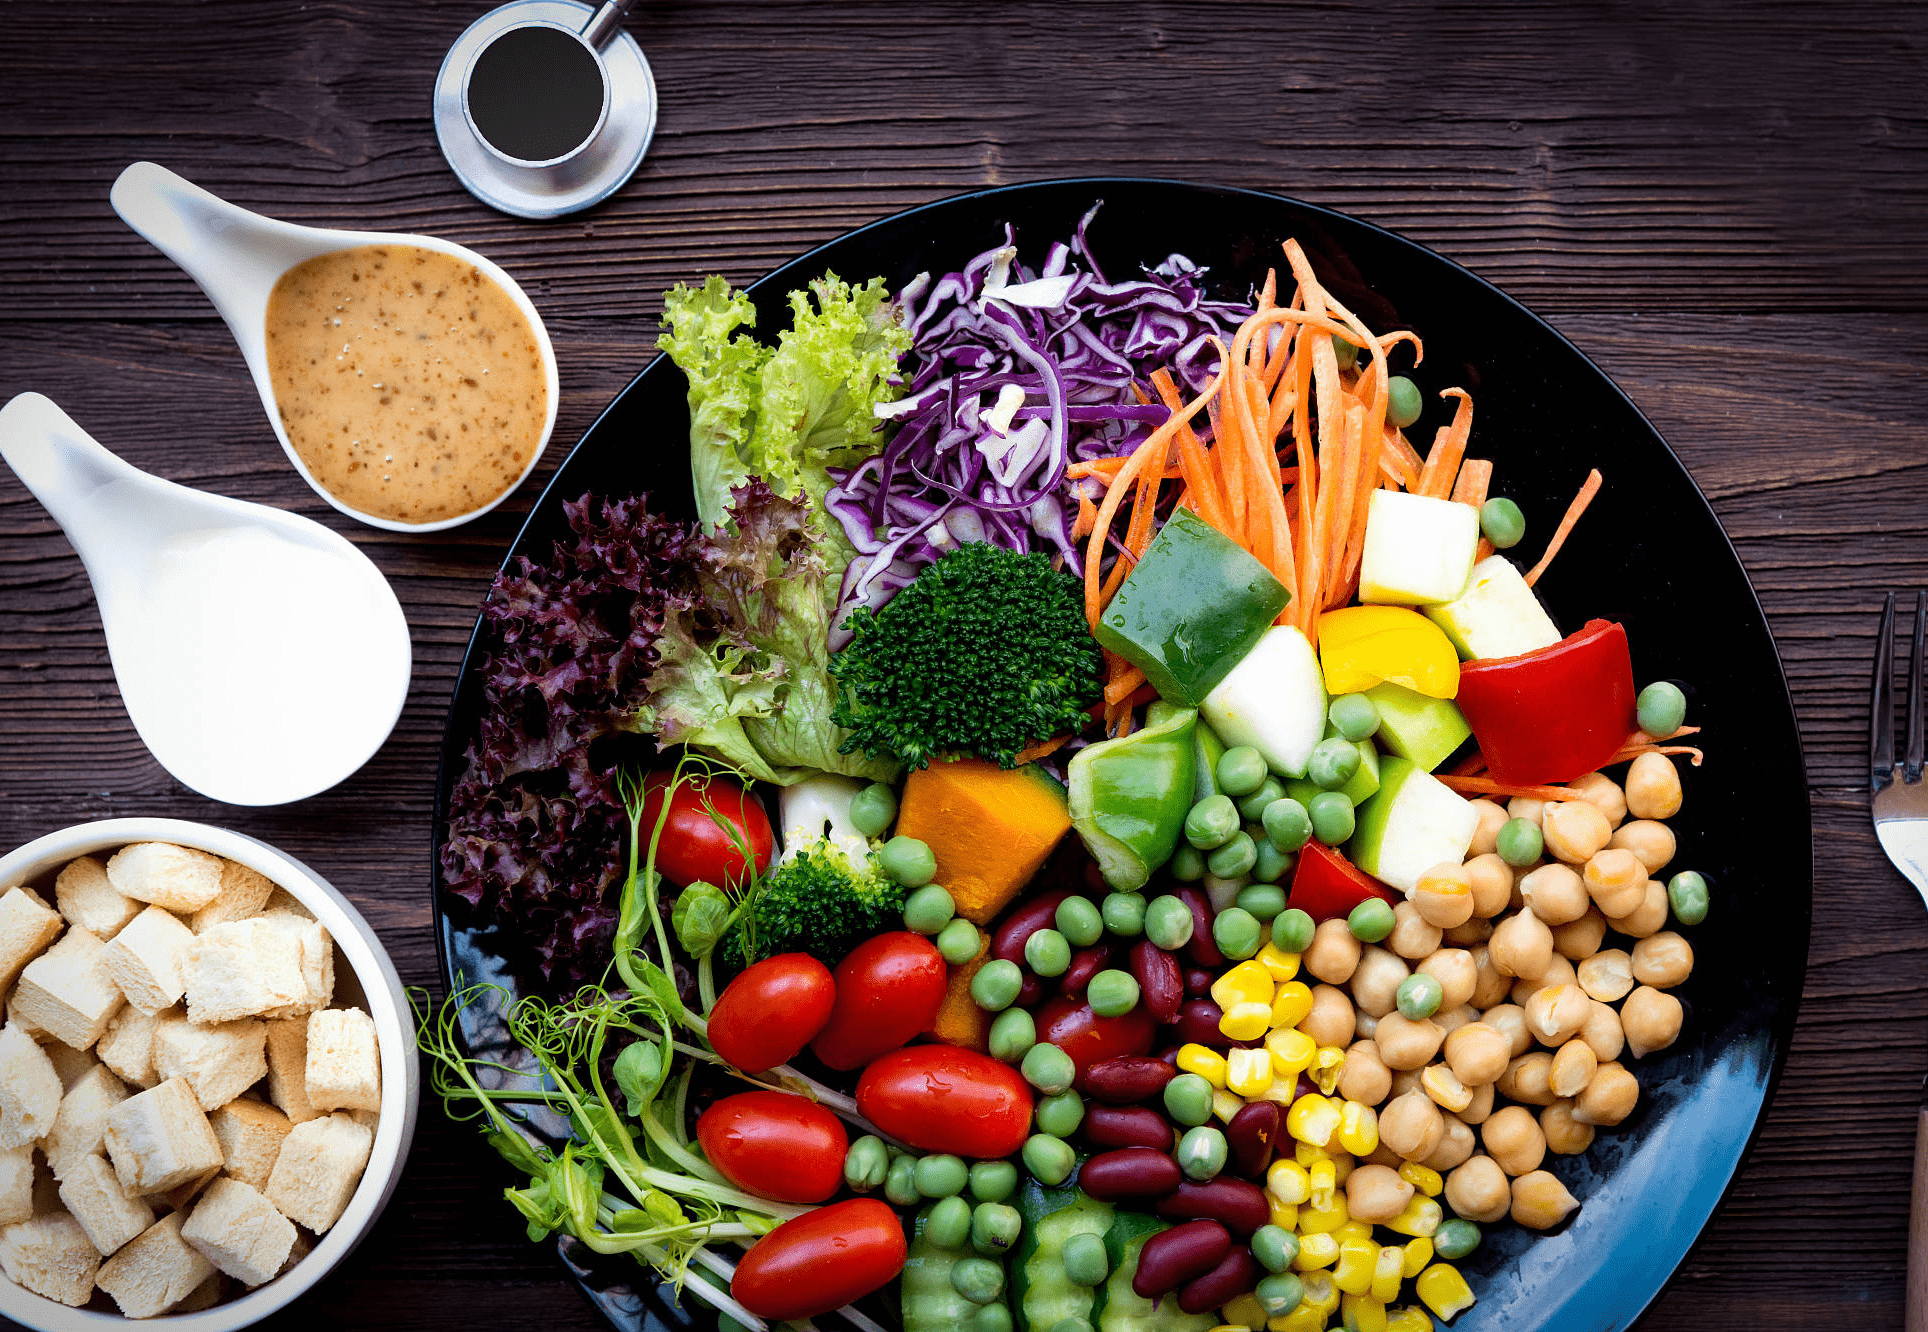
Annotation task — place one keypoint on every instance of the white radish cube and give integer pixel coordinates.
(1274, 700)
(1419, 550)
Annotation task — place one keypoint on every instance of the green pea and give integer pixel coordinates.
(1418, 996)
(1275, 1247)
(1355, 716)
(1188, 1099)
(1332, 817)
(1060, 1113)
(948, 1224)
(978, 1280)
(1168, 923)
(1272, 864)
(1047, 952)
(1370, 921)
(1047, 1068)
(900, 1183)
(1085, 1260)
(1263, 900)
(1281, 1293)
(1013, 1033)
(991, 1318)
(1293, 930)
(1288, 824)
(995, 1229)
(993, 1181)
(866, 1164)
(958, 942)
(1080, 921)
(1237, 933)
(942, 1175)
(873, 809)
(1347, 352)
(1251, 808)
(1501, 522)
(1202, 1152)
(1050, 1160)
(1333, 763)
(1455, 1238)
(1403, 403)
(928, 910)
(1687, 895)
(1187, 864)
(1112, 993)
(907, 861)
(1240, 771)
(1211, 822)
(1520, 842)
(1234, 858)
(1661, 708)
(1124, 913)
(996, 985)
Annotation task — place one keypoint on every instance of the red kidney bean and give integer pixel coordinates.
(1127, 1079)
(1251, 1135)
(1085, 963)
(1173, 1257)
(1236, 1204)
(1198, 1024)
(1036, 914)
(1170, 1055)
(1198, 981)
(1129, 1172)
(1201, 949)
(1161, 986)
(1127, 1126)
(1238, 1273)
(1029, 993)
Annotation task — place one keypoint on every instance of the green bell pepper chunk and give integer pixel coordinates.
(1207, 749)
(1129, 797)
(1192, 608)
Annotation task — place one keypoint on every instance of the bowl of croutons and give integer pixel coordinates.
(208, 1082)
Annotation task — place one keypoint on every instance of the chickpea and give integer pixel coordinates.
(1331, 1021)
(1651, 1018)
(1333, 953)
(1492, 880)
(1474, 931)
(1522, 945)
(1541, 1202)
(1477, 1053)
(1479, 1190)
(1525, 807)
(1404, 1043)
(1580, 939)
(1556, 1013)
(1413, 936)
(1365, 1026)
(1509, 1020)
(1381, 1155)
(1607, 976)
(1376, 1193)
(1603, 793)
(1558, 971)
(1447, 1092)
(1457, 974)
(1454, 1147)
(1555, 894)
(1616, 879)
(1478, 1110)
(1648, 839)
(1442, 899)
(1364, 1077)
(1452, 1019)
(1653, 787)
(1650, 917)
(1574, 830)
(1565, 1135)
(1486, 833)
(1609, 1098)
(1375, 981)
(1512, 1137)
(1343, 1163)
(1573, 1067)
(1662, 960)
(1528, 1079)
(1412, 1126)
(1405, 1080)
(1492, 986)
(1602, 1032)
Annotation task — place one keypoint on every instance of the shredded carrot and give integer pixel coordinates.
(1038, 749)
(1635, 751)
(1142, 695)
(1087, 518)
(1123, 683)
(1470, 766)
(1487, 786)
(1482, 550)
(1449, 446)
(1574, 510)
(1475, 479)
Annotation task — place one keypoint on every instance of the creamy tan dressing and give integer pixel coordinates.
(408, 382)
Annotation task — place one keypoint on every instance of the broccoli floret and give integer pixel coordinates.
(820, 902)
(985, 653)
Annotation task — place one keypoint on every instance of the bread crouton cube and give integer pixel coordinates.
(52, 1257)
(147, 959)
(16, 1185)
(27, 928)
(344, 1070)
(250, 1135)
(160, 1139)
(220, 1061)
(66, 991)
(181, 1197)
(244, 892)
(127, 1046)
(316, 950)
(242, 969)
(46, 1189)
(320, 1164)
(80, 1128)
(155, 1271)
(92, 1193)
(175, 878)
(204, 1296)
(69, 1063)
(90, 902)
(283, 900)
(288, 1069)
(240, 1232)
(29, 1089)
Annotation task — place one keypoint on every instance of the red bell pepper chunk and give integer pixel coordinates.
(1326, 884)
(1551, 715)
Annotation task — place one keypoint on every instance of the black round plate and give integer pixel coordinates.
(1649, 553)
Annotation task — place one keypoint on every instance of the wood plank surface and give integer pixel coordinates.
(1724, 204)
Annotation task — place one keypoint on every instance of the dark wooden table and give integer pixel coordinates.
(1726, 205)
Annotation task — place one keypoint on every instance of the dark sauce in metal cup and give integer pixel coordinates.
(537, 94)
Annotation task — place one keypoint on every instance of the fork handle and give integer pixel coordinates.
(1918, 1232)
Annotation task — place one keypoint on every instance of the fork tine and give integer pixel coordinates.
(1913, 734)
(1881, 707)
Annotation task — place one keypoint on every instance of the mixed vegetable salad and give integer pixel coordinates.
(1204, 886)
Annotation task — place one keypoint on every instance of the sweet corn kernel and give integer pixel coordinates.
(1326, 1067)
(1248, 1072)
(1288, 1182)
(1282, 1214)
(1246, 1022)
(1417, 1253)
(1363, 1314)
(1423, 1178)
(1245, 1311)
(1388, 1270)
(1342, 1167)
(1359, 1128)
(1316, 1250)
(1312, 1119)
(1444, 1290)
(1325, 1182)
(1208, 1063)
(1420, 1217)
(1404, 1319)
(1246, 983)
(1323, 1218)
(1280, 965)
(1283, 1091)
(1306, 1153)
(1352, 1274)
(1292, 1051)
(1321, 1293)
(1291, 1004)
(1353, 1230)
(1446, 1090)
(1231, 1327)
(1305, 1318)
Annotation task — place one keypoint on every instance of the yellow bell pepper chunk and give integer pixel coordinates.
(1246, 1022)
(1279, 964)
(1208, 1063)
(1248, 1073)
(1246, 983)
(1290, 1005)
(1362, 645)
(1417, 1253)
(1388, 1270)
(1444, 1290)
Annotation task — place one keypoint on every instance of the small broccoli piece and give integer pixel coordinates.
(985, 653)
(820, 902)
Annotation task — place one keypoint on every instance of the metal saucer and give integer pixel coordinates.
(586, 178)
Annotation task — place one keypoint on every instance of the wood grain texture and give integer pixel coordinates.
(1723, 204)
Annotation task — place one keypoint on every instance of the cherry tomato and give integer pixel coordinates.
(769, 1013)
(942, 1098)
(821, 1261)
(888, 990)
(775, 1144)
(1070, 1025)
(711, 822)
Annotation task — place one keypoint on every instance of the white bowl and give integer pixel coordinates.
(367, 980)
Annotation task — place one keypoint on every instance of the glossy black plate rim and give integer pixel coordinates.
(625, 1309)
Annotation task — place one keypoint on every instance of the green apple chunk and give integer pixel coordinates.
(1497, 615)
(1412, 823)
(1274, 700)
(1418, 549)
(1413, 726)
